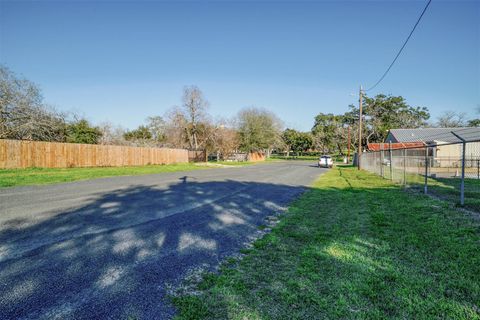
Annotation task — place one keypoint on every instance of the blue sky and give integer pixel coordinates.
(122, 61)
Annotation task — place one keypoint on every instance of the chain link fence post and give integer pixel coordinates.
(478, 169)
(462, 183)
(391, 160)
(447, 170)
(425, 186)
(381, 161)
(405, 167)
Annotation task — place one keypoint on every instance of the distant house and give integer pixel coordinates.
(446, 147)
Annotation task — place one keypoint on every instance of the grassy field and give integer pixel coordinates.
(295, 157)
(338, 159)
(449, 189)
(353, 247)
(33, 176)
(234, 163)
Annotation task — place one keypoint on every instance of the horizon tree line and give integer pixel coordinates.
(25, 116)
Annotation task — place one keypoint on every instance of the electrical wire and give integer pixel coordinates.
(401, 49)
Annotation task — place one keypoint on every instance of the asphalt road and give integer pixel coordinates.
(110, 248)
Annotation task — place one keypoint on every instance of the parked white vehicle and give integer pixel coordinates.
(325, 162)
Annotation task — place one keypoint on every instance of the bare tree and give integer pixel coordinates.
(194, 109)
(157, 126)
(224, 139)
(111, 134)
(452, 119)
(189, 126)
(23, 115)
(175, 129)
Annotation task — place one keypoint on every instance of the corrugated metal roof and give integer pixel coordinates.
(436, 134)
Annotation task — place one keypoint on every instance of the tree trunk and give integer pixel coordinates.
(195, 141)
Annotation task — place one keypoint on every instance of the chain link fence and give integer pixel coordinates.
(448, 170)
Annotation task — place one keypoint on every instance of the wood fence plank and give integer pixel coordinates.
(26, 154)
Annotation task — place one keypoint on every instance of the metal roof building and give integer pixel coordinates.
(431, 135)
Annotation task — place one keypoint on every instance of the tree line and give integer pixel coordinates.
(25, 116)
(331, 132)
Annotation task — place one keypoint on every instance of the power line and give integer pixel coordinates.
(403, 46)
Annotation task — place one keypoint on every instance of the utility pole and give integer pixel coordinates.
(360, 129)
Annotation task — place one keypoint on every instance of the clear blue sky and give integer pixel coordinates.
(123, 61)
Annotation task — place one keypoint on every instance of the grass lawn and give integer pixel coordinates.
(353, 247)
(295, 157)
(31, 176)
(234, 163)
(449, 189)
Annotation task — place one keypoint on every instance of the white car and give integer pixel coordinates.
(325, 162)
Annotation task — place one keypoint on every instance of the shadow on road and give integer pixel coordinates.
(114, 256)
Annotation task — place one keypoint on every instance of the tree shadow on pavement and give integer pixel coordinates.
(354, 247)
(113, 257)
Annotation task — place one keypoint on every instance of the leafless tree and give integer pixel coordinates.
(157, 127)
(189, 126)
(194, 109)
(23, 115)
(452, 119)
(175, 129)
(224, 139)
(112, 135)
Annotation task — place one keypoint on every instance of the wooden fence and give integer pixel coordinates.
(256, 156)
(197, 156)
(26, 154)
(243, 156)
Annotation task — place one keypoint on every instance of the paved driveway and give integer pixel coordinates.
(109, 248)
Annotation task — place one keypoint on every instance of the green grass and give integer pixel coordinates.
(234, 163)
(449, 189)
(355, 246)
(295, 157)
(35, 176)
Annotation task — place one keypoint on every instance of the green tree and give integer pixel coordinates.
(303, 142)
(80, 131)
(289, 137)
(328, 132)
(387, 112)
(297, 141)
(384, 112)
(380, 114)
(474, 123)
(258, 129)
(141, 133)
